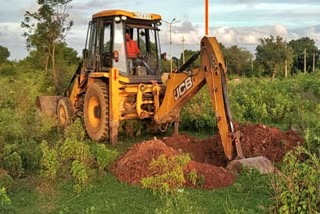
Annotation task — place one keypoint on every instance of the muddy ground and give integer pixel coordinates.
(207, 155)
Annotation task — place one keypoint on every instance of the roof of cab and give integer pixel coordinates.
(133, 15)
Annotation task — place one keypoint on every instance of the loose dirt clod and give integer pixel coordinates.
(207, 155)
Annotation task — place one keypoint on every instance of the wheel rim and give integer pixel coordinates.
(94, 114)
(62, 115)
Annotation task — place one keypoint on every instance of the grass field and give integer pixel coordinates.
(251, 193)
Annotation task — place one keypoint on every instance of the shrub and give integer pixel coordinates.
(30, 153)
(105, 157)
(198, 114)
(12, 160)
(7, 70)
(75, 150)
(80, 173)
(297, 189)
(49, 161)
(195, 179)
(75, 131)
(6, 180)
(131, 128)
(4, 199)
(167, 173)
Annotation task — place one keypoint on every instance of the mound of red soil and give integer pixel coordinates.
(267, 141)
(207, 154)
(256, 140)
(133, 166)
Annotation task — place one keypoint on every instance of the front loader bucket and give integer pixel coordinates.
(48, 104)
(260, 163)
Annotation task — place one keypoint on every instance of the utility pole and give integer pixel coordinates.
(170, 27)
(305, 61)
(183, 58)
(314, 62)
(206, 16)
(286, 68)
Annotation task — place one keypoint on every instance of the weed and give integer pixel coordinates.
(49, 161)
(4, 199)
(105, 157)
(12, 160)
(167, 173)
(297, 188)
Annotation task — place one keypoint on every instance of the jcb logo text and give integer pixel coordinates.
(182, 88)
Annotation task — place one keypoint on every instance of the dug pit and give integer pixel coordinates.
(207, 155)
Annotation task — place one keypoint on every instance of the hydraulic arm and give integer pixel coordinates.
(183, 84)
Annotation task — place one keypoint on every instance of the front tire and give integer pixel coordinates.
(96, 111)
(65, 112)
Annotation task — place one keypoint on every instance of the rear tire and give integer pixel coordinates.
(96, 111)
(64, 111)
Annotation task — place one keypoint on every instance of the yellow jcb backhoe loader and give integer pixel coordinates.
(109, 87)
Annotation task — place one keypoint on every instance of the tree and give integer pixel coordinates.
(273, 53)
(46, 28)
(238, 60)
(298, 47)
(4, 54)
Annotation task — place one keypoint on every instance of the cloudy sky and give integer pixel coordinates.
(233, 22)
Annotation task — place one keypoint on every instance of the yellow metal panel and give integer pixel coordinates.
(114, 111)
(133, 15)
(116, 75)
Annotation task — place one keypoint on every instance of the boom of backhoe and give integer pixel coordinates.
(182, 85)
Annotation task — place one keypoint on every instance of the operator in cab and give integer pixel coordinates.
(132, 47)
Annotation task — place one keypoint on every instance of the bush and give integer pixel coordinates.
(4, 199)
(49, 161)
(12, 160)
(297, 189)
(285, 103)
(79, 172)
(167, 173)
(6, 180)
(104, 157)
(30, 153)
(131, 128)
(7, 70)
(198, 114)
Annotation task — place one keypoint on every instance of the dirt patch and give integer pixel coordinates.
(270, 142)
(207, 155)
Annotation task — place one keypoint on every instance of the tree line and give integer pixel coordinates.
(46, 30)
(273, 57)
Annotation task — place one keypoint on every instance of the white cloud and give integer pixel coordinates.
(233, 22)
(11, 38)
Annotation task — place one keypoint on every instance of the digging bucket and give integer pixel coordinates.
(260, 163)
(48, 104)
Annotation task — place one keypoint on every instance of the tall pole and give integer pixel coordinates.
(171, 47)
(170, 27)
(286, 68)
(183, 58)
(313, 62)
(305, 61)
(206, 17)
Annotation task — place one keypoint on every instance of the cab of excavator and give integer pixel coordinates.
(106, 45)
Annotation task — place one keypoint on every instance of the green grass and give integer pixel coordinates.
(249, 194)
(107, 195)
